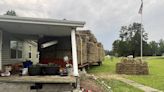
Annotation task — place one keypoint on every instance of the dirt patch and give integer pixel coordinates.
(90, 84)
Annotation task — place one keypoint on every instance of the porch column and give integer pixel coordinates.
(74, 53)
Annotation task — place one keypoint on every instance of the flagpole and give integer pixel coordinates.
(140, 12)
(141, 36)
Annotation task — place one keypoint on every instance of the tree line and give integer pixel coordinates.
(129, 43)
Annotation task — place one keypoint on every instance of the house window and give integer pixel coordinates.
(29, 55)
(30, 52)
(16, 49)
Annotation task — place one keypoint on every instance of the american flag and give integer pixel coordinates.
(141, 7)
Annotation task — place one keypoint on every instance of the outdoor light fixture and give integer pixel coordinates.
(47, 44)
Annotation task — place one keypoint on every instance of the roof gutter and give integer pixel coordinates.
(15, 19)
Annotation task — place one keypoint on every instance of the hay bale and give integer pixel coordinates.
(81, 49)
(132, 66)
(92, 52)
(101, 52)
(91, 37)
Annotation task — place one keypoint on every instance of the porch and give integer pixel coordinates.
(34, 29)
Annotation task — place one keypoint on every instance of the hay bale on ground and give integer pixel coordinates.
(132, 66)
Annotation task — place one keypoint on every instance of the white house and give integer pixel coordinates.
(19, 36)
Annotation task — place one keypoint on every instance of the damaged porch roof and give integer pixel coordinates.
(38, 26)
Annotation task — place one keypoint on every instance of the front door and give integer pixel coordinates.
(0, 50)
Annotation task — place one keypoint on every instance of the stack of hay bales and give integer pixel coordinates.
(92, 51)
(132, 67)
(81, 49)
(101, 53)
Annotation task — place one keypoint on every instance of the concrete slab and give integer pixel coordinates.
(38, 79)
(26, 87)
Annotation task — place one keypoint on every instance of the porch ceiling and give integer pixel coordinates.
(38, 26)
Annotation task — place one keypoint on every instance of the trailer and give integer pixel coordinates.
(90, 51)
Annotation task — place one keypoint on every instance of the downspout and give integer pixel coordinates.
(81, 49)
(74, 53)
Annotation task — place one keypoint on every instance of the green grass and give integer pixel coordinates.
(118, 86)
(108, 67)
(156, 69)
(156, 77)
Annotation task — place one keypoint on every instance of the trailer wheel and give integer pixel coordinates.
(99, 63)
(87, 67)
(81, 69)
(74, 85)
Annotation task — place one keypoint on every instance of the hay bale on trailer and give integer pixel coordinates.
(92, 38)
(88, 48)
(92, 52)
(91, 48)
(101, 53)
(81, 48)
(87, 33)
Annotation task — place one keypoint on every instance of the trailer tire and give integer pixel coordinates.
(87, 67)
(99, 63)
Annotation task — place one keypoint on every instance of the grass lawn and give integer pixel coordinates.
(118, 86)
(108, 67)
(155, 79)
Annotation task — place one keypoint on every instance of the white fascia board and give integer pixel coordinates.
(16, 19)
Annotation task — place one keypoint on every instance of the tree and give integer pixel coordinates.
(11, 13)
(161, 46)
(130, 40)
(153, 48)
(116, 46)
(123, 33)
(107, 52)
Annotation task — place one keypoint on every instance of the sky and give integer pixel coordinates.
(103, 17)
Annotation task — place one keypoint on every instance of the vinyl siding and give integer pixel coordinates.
(6, 50)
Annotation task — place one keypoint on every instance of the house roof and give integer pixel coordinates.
(38, 26)
(43, 21)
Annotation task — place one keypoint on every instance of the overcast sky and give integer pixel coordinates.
(103, 17)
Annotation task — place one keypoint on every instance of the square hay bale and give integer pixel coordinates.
(132, 67)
